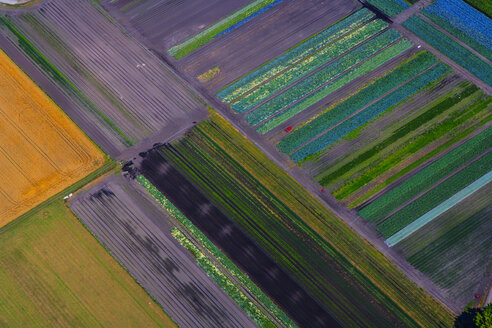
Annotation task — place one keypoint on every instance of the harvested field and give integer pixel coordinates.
(42, 151)
(55, 274)
(350, 280)
(138, 235)
(126, 91)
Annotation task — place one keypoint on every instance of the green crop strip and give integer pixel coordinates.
(436, 195)
(247, 306)
(308, 65)
(401, 132)
(427, 177)
(203, 37)
(294, 55)
(61, 80)
(455, 126)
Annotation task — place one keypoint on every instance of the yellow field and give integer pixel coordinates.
(53, 273)
(41, 150)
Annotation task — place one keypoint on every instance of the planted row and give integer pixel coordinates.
(372, 111)
(294, 55)
(385, 204)
(435, 196)
(463, 22)
(218, 254)
(403, 131)
(308, 65)
(366, 67)
(450, 48)
(314, 81)
(364, 97)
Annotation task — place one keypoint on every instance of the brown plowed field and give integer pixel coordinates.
(41, 150)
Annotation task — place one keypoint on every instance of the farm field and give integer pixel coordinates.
(463, 22)
(450, 48)
(391, 7)
(454, 248)
(42, 151)
(123, 90)
(287, 86)
(237, 178)
(138, 234)
(55, 274)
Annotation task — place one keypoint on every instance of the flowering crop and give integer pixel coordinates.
(371, 112)
(356, 102)
(450, 48)
(292, 56)
(309, 64)
(319, 78)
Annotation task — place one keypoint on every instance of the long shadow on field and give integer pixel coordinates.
(248, 256)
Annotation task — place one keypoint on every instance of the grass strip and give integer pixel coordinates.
(308, 65)
(385, 204)
(389, 101)
(251, 309)
(209, 34)
(435, 196)
(351, 105)
(294, 55)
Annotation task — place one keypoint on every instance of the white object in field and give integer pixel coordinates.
(66, 197)
(419, 46)
(70, 195)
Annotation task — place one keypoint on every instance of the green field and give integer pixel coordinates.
(346, 275)
(54, 273)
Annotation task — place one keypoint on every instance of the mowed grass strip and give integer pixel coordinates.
(42, 150)
(327, 231)
(55, 274)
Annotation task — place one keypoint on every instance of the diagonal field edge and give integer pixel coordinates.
(438, 210)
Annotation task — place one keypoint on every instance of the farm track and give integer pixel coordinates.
(137, 235)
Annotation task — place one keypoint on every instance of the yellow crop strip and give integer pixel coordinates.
(41, 150)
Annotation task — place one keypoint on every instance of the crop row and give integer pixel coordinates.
(209, 34)
(308, 65)
(364, 97)
(385, 204)
(434, 111)
(435, 196)
(482, 5)
(389, 7)
(438, 254)
(218, 254)
(372, 111)
(465, 118)
(439, 209)
(450, 48)
(366, 67)
(314, 81)
(294, 55)
(464, 22)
